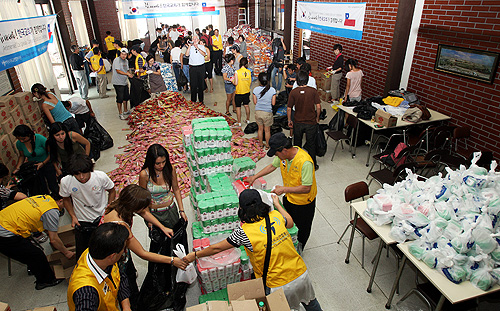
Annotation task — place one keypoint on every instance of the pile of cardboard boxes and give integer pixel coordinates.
(323, 81)
(15, 110)
(6, 307)
(63, 267)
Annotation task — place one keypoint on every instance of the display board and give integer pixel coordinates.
(135, 9)
(337, 19)
(6, 85)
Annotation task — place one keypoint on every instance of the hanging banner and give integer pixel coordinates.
(336, 19)
(24, 39)
(134, 9)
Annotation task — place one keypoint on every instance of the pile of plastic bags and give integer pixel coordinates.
(160, 121)
(452, 220)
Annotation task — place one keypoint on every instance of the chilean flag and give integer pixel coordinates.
(207, 8)
(51, 38)
(349, 22)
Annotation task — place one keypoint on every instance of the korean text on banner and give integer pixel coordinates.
(336, 19)
(24, 39)
(134, 9)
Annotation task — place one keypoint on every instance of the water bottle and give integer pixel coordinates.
(262, 306)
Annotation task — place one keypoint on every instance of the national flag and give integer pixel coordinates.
(349, 22)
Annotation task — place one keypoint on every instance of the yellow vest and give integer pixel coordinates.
(217, 43)
(139, 56)
(83, 276)
(285, 265)
(244, 81)
(109, 43)
(94, 61)
(23, 217)
(293, 178)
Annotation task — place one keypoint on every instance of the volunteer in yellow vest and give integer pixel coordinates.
(140, 63)
(96, 283)
(97, 65)
(286, 269)
(18, 221)
(217, 52)
(299, 183)
(109, 40)
(243, 80)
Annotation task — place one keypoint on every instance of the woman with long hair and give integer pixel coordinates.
(133, 200)
(229, 83)
(62, 143)
(53, 108)
(264, 97)
(31, 148)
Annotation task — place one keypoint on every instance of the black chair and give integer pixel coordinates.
(351, 193)
(391, 174)
(339, 136)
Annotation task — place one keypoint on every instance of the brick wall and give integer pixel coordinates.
(88, 22)
(252, 6)
(372, 52)
(464, 23)
(69, 21)
(15, 80)
(231, 12)
(107, 18)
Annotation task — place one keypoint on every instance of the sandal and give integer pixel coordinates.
(234, 110)
(228, 113)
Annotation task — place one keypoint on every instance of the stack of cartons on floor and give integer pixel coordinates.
(323, 82)
(15, 110)
(63, 267)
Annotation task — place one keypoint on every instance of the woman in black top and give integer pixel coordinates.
(337, 72)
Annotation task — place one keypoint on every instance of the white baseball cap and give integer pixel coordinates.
(124, 50)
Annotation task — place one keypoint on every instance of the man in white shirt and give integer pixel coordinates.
(311, 82)
(173, 34)
(84, 196)
(81, 109)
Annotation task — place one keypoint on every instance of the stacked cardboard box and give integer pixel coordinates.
(63, 267)
(323, 82)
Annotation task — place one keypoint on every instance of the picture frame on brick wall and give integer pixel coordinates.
(468, 63)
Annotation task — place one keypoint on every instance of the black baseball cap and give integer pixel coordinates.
(276, 143)
(249, 197)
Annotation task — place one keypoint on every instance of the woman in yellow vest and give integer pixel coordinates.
(97, 64)
(243, 80)
(286, 270)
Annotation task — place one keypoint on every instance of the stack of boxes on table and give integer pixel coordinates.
(15, 110)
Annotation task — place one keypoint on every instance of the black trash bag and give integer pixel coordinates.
(30, 182)
(95, 150)
(97, 133)
(137, 92)
(281, 121)
(335, 124)
(281, 100)
(251, 128)
(183, 80)
(322, 115)
(320, 143)
(159, 289)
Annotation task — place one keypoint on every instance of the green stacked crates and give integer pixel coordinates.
(243, 167)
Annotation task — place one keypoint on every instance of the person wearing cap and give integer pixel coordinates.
(119, 80)
(18, 221)
(235, 50)
(299, 182)
(97, 283)
(286, 269)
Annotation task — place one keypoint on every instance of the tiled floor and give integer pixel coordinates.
(338, 286)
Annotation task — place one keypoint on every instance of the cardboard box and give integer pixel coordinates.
(23, 98)
(57, 258)
(326, 83)
(40, 128)
(4, 113)
(8, 101)
(385, 119)
(8, 125)
(18, 115)
(8, 154)
(29, 109)
(4, 307)
(67, 235)
(314, 64)
(210, 306)
(61, 272)
(48, 308)
(325, 95)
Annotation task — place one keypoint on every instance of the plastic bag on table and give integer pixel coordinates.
(484, 240)
(417, 249)
(495, 254)
(453, 229)
(429, 258)
(435, 229)
(482, 279)
(463, 243)
(443, 210)
(456, 274)
(495, 273)
(186, 276)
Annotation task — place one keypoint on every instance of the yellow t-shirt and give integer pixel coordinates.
(109, 43)
(244, 81)
(217, 43)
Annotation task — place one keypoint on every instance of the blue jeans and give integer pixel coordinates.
(177, 71)
(278, 71)
(185, 69)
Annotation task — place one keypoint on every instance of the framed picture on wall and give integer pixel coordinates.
(469, 63)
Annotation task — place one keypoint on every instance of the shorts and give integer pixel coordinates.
(122, 93)
(242, 99)
(230, 88)
(209, 67)
(264, 118)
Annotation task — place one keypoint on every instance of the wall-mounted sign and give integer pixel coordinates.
(336, 19)
(134, 9)
(6, 85)
(24, 39)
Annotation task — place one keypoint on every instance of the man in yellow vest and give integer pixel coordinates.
(18, 221)
(243, 81)
(217, 52)
(109, 40)
(286, 269)
(96, 282)
(299, 183)
(97, 66)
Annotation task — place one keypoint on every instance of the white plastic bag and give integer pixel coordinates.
(188, 275)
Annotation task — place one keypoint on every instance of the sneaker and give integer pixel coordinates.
(236, 125)
(123, 117)
(247, 121)
(126, 113)
(40, 286)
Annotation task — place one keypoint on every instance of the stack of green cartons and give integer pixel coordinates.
(243, 167)
(220, 295)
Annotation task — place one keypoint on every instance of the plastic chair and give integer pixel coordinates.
(391, 143)
(351, 193)
(339, 136)
(402, 161)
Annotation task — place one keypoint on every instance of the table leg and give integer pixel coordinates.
(370, 149)
(349, 248)
(440, 304)
(377, 259)
(396, 282)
